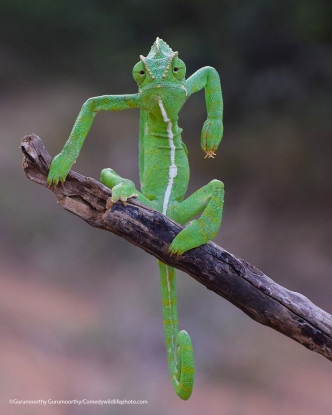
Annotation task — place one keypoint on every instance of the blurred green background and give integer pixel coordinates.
(80, 308)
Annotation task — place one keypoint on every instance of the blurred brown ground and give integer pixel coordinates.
(80, 309)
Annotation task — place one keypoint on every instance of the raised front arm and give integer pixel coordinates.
(62, 163)
(212, 131)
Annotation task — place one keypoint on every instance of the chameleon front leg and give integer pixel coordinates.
(122, 189)
(210, 200)
(212, 131)
(62, 163)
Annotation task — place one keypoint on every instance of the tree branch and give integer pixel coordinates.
(237, 281)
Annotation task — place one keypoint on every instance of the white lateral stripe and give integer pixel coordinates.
(163, 112)
(173, 170)
(170, 303)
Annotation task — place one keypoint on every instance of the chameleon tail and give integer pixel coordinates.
(178, 344)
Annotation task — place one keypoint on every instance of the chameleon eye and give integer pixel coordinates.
(179, 69)
(139, 73)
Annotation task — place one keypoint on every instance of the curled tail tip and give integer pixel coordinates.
(185, 376)
(179, 346)
(184, 392)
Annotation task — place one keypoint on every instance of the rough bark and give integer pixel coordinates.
(242, 284)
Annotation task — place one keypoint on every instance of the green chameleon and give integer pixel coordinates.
(164, 172)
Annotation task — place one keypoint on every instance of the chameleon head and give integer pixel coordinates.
(161, 67)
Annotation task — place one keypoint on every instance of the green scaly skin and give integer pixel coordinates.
(164, 172)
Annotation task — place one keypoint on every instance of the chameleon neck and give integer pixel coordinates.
(160, 124)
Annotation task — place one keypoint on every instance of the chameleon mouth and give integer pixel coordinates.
(162, 84)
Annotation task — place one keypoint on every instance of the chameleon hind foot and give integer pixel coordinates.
(195, 234)
(210, 200)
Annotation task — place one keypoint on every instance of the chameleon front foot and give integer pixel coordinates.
(59, 170)
(123, 191)
(209, 154)
(194, 235)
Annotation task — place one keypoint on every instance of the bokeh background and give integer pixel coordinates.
(80, 308)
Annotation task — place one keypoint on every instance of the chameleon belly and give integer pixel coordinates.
(166, 171)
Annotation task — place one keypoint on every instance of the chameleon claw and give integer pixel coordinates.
(209, 154)
(109, 204)
(175, 253)
(124, 202)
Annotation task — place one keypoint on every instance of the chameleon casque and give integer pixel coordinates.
(164, 172)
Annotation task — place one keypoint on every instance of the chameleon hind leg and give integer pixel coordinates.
(122, 189)
(178, 344)
(210, 200)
